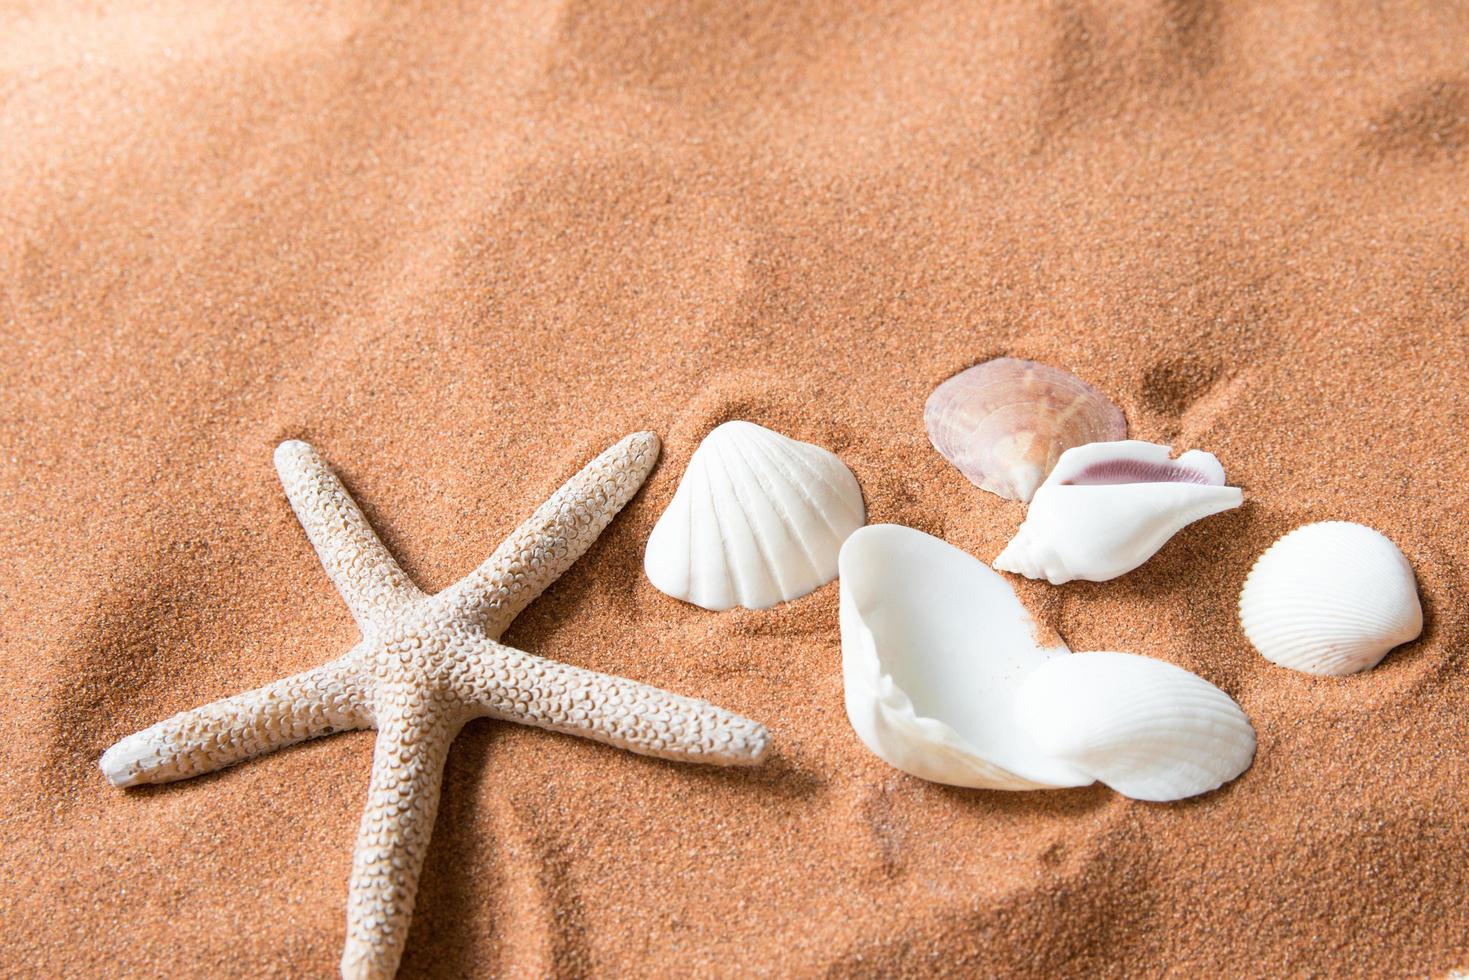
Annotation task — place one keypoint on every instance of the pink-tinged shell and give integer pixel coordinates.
(1006, 422)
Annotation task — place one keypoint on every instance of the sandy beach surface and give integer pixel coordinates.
(461, 248)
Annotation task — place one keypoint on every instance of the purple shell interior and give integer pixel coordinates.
(1110, 471)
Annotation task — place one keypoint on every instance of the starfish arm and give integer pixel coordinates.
(556, 535)
(502, 682)
(359, 565)
(315, 702)
(402, 800)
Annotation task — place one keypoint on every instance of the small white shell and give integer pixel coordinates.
(1148, 729)
(1004, 423)
(1108, 507)
(1330, 598)
(757, 519)
(934, 646)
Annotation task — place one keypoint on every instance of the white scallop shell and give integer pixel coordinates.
(934, 646)
(1108, 507)
(1330, 598)
(1148, 729)
(1004, 423)
(758, 519)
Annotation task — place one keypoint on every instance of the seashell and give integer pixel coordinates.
(1006, 422)
(1108, 507)
(1148, 729)
(934, 647)
(758, 519)
(1330, 598)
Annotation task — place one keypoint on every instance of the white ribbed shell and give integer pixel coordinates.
(1330, 598)
(1148, 729)
(758, 519)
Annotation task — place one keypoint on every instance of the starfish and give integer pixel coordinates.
(424, 667)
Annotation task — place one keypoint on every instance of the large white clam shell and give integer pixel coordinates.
(934, 647)
(1006, 422)
(1108, 507)
(758, 519)
(1330, 598)
(1148, 729)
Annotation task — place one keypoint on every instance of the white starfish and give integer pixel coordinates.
(424, 667)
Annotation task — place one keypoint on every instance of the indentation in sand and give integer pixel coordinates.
(1430, 122)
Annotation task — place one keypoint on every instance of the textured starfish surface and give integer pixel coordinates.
(425, 666)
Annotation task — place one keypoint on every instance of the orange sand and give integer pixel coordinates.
(462, 250)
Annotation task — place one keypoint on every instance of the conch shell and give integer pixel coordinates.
(1006, 422)
(1109, 506)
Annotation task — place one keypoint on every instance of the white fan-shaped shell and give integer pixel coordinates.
(1098, 531)
(1148, 729)
(934, 646)
(1330, 598)
(758, 519)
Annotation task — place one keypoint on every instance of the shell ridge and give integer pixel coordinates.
(736, 584)
(1215, 716)
(688, 506)
(746, 594)
(1331, 597)
(1298, 632)
(802, 454)
(771, 453)
(828, 521)
(761, 517)
(1004, 422)
(1162, 734)
(1147, 728)
(793, 460)
(843, 484)
(747, 446)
